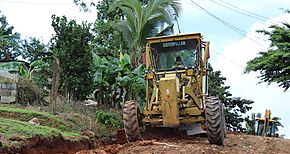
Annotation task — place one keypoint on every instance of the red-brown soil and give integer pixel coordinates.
(53, 145)
(169, 142)
(157, 141)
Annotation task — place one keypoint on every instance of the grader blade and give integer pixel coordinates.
(193, 129)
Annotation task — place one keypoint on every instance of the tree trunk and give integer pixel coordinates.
(55, 84)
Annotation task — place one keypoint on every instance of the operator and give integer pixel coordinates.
(178, 63)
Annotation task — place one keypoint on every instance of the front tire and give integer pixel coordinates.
(214, 121)
(130, 121)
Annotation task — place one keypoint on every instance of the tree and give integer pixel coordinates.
(144, 20)
(71, 44)
(9, 41)
(108, 40)
(33, 49)
(235, 107)
(277, 123)
(250, 124)
(274, 64)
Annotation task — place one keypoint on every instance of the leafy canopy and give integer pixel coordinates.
(108, 41)
(144, 20)
(274, 64)
(71, 44)
(235, 107)
(9, 41)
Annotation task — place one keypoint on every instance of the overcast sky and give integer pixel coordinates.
(230, 49)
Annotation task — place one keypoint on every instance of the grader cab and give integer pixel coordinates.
(176, 90)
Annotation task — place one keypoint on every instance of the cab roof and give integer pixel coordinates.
(174, 37)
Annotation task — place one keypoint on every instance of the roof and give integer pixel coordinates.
(174, 37)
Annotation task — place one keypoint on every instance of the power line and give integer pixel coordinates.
(254, 14)
(226, 58)
(234, 28)
(249, 14)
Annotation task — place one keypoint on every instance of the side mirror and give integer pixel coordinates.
(206, 55)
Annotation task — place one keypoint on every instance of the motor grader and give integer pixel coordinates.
(266, 126)
(176, 90)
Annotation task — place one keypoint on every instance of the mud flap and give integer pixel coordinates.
(193, 129)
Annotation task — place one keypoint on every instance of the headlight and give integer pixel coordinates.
(189, 72)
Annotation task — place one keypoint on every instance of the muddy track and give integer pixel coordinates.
(166, 141)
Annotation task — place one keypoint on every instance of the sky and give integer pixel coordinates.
(230, 49)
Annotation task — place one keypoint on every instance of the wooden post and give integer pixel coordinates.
(55, 84)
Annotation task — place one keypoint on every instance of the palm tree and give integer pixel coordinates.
(144, 20)
(277, 123)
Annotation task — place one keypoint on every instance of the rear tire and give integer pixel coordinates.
(130, 121)
(214, 121)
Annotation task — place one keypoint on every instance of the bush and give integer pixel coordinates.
(28, 92)
(109, 119)
(108, 123)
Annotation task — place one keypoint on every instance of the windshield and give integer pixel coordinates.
(169, 55)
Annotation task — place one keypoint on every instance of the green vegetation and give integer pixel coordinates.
(9, 40)
(10, 128)
(26, 114)
(143, 20)
(14, 126)
(108, 119)
(274, 64)
(117, 78)
(235, 107)
(71, 45)
(108, 123)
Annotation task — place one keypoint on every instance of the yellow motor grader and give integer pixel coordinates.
(266, 126)
(176, 90)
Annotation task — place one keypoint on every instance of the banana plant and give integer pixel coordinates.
(11, 67)
(23, 70)
(117, 80)
(28, 72)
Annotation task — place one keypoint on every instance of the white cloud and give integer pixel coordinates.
(232, 63)
(33, 18)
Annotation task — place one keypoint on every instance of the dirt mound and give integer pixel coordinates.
(171, 143)
(56, 144)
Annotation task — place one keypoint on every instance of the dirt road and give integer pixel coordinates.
(234, 144)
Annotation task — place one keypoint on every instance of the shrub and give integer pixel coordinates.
(109, 119)
(28, 92)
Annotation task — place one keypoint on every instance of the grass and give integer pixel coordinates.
(25, 115)
(14, 132)
(15, 129)
(11, 128)
(5, 108)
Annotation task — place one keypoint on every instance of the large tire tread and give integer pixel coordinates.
(130, 121)
(214, 121)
